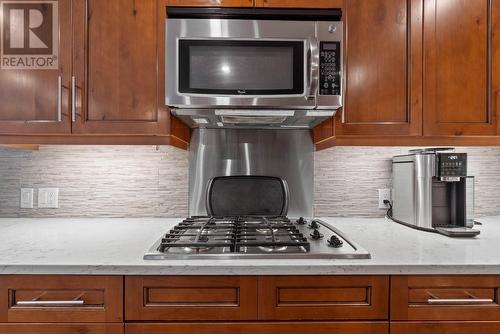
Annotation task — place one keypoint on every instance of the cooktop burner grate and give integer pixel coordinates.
(237, 234)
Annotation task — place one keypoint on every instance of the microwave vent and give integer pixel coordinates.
(253, 120)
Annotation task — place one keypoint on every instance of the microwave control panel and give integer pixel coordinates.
(329, 70)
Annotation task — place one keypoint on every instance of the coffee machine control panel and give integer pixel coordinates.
(452, 165)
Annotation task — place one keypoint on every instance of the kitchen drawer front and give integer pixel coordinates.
(61, 328)
(261, 328)
(447, 298)
(470, 327)
(323, 297)
(61, 298)
(166, 298)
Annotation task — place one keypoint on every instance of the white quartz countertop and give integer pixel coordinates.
(116, 247)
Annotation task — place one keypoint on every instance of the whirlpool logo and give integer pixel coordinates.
(29, 34)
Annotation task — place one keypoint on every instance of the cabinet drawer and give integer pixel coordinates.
(323, 297)
(460, 298)
(445, 328)
(190, 298)
(61, 329)
(61, 298)
(261, 328)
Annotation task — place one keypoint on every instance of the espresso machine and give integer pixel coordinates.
(432, 192)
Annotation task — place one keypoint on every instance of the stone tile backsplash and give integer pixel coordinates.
(149, 181)
(347, 179)
(103, 181)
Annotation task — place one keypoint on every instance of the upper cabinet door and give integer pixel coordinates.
(35, 67)
(119, 67)
(383, 62)
(458, 67)
(211, 3)
(299, 3)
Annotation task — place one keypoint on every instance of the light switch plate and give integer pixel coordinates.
(26, 198)
(48, 198)
(384, 194)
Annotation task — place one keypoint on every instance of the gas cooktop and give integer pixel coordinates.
(254, 237)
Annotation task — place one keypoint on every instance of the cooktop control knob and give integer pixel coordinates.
(301, 221)
(335, 242)
(316, 235)
(314, 225)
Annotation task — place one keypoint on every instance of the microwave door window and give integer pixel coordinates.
(248, 68)
(241, 67)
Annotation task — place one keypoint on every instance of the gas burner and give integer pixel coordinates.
(253, 237)
(196, 250)
(273, 249)
(266, 230)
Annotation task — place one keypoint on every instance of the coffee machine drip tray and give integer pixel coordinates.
(464, 232)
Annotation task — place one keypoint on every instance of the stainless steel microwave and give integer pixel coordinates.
(257, 67)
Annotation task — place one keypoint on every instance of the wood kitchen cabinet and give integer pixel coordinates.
(461, 79)
(323, 135)
(251, 304)
(437, 82)
(261, 328)
(323, 298)
(61, 329)
(445, 304)
(382, 65)
(479, 327)
(61, 304)
(112, 81)
(61, 299)
(263, 298)
(36, 101)
(151, 298)
(445, 298)
(119, 67)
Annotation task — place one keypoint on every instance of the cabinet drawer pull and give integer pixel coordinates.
(49, 303)
(465, 301)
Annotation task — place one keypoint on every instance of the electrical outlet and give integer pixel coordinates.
(26, 200)
(48, 198)
(384, 194)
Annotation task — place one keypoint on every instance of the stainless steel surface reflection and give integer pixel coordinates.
(227, 152)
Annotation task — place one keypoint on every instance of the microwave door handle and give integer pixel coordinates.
(312, 68)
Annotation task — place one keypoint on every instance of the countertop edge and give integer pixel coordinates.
(250, 270)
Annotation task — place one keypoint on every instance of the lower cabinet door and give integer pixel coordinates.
(469, 327)
(311, 298)
(261, 328)
(47, 328)
(191, 298)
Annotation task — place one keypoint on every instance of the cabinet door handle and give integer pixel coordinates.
(465, 301)
(59, 99)
(73, 99)
(50, 303)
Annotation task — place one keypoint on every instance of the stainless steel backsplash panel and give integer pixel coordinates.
(288, 154)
